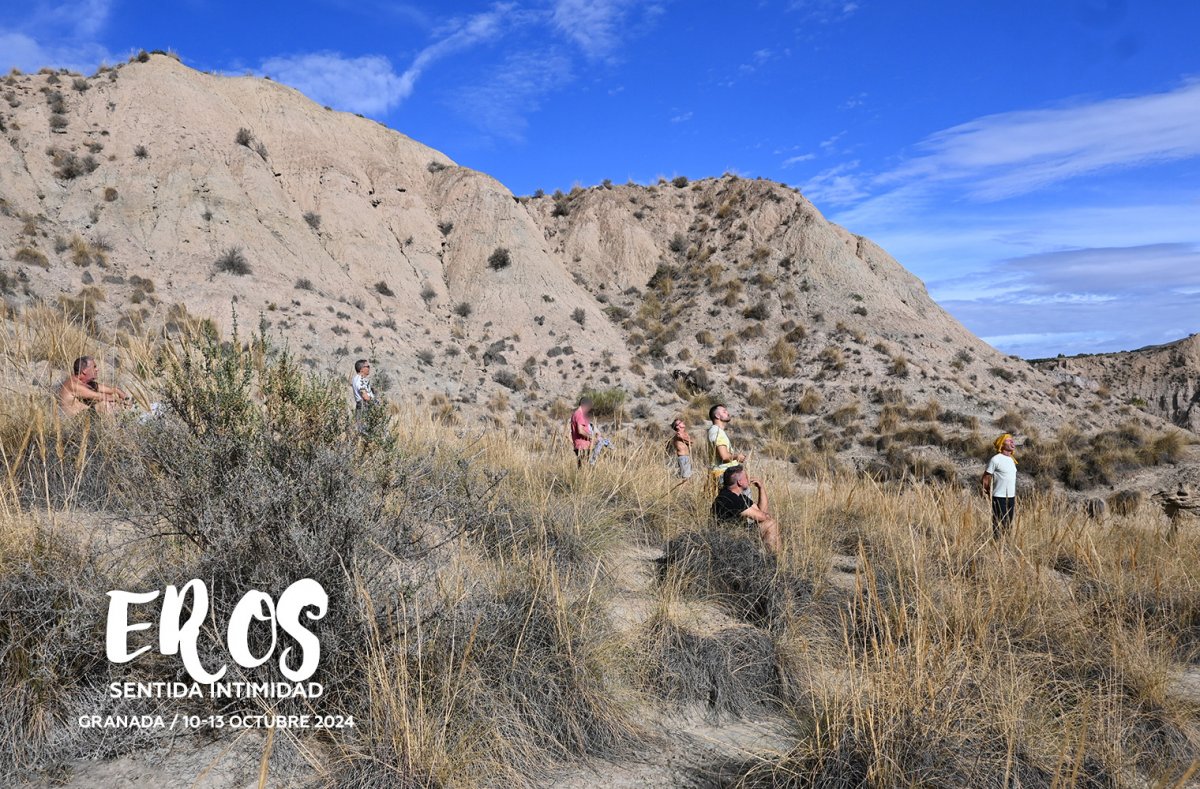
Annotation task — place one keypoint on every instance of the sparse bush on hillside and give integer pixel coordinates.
(1125, 502)
(304, 284)
(1003, 374)
(80, 84)
(110, 194)
(678, 243)
(243, 137)
(233, 261)
(499, 259)
(809, 402)
(141, 152)
(899, 366)
(69, 166)
(313, 219)
(58, 122)
(435, 167)
(463, 309)
(428, 294)
(759, 312)
(32, 256)
(382, 289)
(606, 403)
(679, 182)
(831, 357)
(782, 356)
(1082, 461)
(579, 316)
(445, 227)
(509, 380)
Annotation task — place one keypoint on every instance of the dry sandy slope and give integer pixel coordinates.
(613, 286)
(1165, 378)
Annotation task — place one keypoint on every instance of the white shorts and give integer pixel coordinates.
(685, 466)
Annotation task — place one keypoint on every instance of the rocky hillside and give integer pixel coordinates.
(153, 194)
(1162, 379)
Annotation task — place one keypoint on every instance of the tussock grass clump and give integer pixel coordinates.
(32, 256)
(495, 614)
(1080, 461)
(233, 261)
(69, 166)
(498, 684)
(606, 403)
(500, 258)
(732, 671)
(733, 571)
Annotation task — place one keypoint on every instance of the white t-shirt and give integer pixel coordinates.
(1004, 476)
(358, 384)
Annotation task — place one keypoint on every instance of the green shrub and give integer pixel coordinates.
(499, 259)
(232, 261)
(605, 402)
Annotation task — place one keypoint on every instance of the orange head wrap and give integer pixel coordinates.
(998, 444)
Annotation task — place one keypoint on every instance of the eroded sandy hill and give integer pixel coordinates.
(1163, 379)
(123, 191)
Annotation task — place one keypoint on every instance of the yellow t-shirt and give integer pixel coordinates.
(718, 438)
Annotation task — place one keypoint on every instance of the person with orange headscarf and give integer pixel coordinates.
(999, 483)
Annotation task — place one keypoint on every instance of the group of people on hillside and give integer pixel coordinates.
(727, 470)
(82, 391)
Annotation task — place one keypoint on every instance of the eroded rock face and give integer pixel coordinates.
(1162, 379)
(355, 241)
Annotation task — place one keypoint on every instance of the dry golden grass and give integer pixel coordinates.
(904, 646)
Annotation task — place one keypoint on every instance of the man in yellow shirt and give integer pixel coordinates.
(723, 456)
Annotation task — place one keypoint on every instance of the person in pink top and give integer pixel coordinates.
(581, 430)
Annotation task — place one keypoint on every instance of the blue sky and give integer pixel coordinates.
(1036, 163)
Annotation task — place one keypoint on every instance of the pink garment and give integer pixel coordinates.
(581, 431)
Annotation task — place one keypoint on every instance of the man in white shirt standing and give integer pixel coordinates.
(999, 483)
(360, 385)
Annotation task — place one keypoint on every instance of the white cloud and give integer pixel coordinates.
(798, 158)
(365, 84)
(682, 117)
(500, 105)
(1081, 299)
(1110, 268)
(857, 100)
(824, 11)
(1017, 152)
(369, 84)
(58, 35)
(837, 185)
(596, 26)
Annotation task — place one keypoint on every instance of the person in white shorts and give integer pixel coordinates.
(681, 445)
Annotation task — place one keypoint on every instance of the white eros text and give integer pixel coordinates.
(178, 637)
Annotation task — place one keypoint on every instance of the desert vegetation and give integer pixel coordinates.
(481, 623)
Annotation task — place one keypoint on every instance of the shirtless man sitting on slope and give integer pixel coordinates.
(80, 390)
